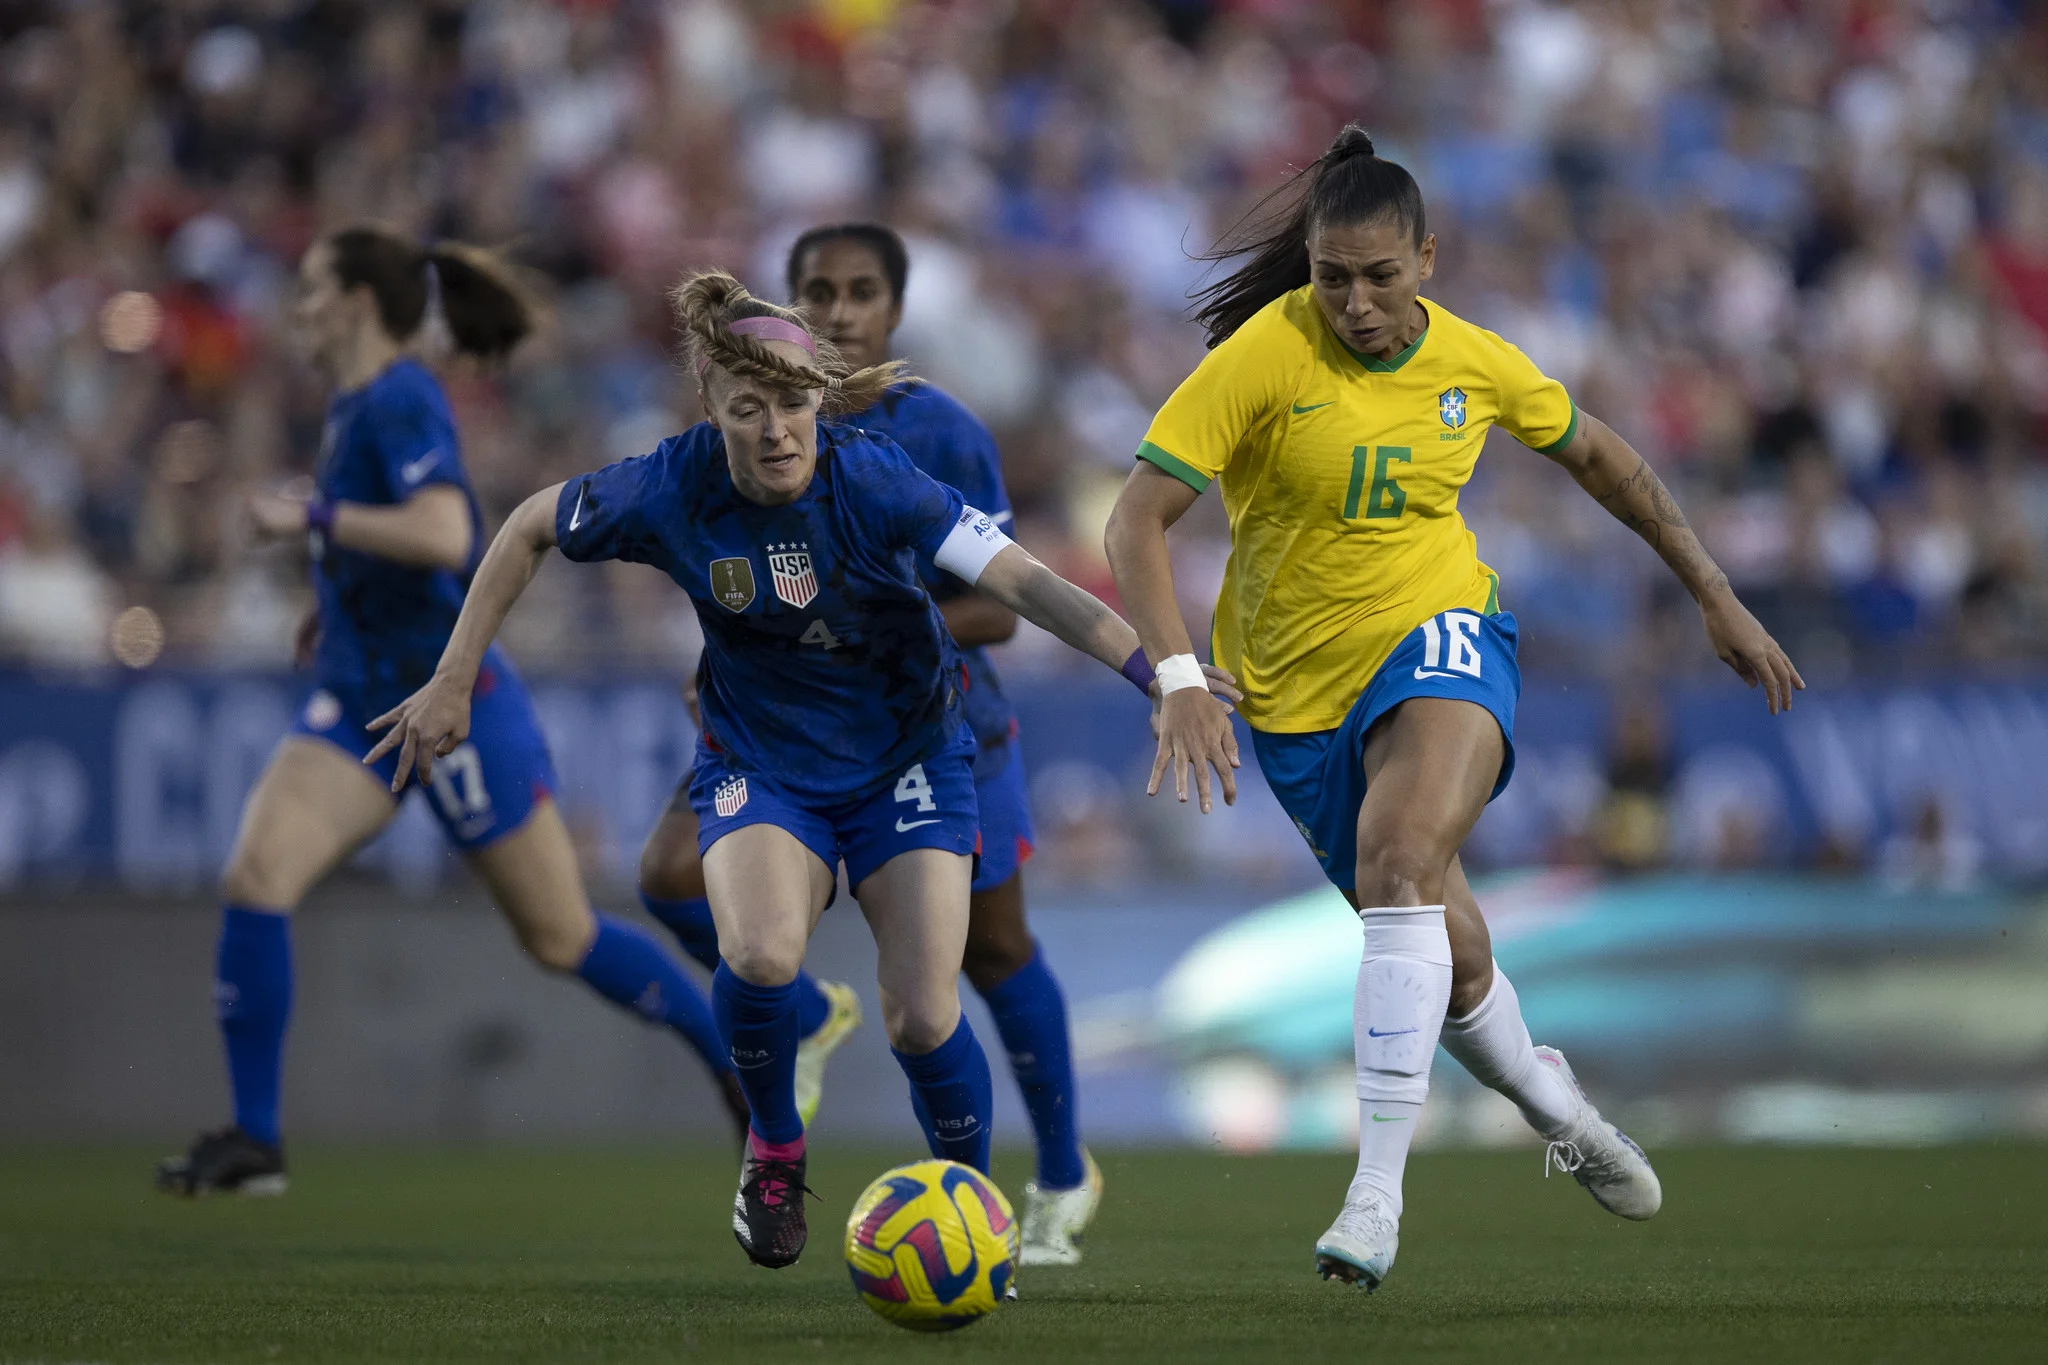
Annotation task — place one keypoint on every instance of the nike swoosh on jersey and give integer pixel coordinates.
(1299, 409)
(418, 469)
(576, 512)
(902, 828)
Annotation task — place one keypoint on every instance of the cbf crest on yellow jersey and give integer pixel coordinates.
(1340, 476)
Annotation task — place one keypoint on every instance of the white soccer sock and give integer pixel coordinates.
(1492, 1043)
(1404, 987)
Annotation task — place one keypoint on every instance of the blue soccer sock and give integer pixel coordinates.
(252, 998)
(690, 922)
(761, 1022)
(953, 1098)
(1031, 1016)
(626, 966)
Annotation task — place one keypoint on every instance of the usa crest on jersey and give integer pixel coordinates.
(790, 566)
(1450, 405)
(729, 797)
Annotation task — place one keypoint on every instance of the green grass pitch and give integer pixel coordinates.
(594, 1255)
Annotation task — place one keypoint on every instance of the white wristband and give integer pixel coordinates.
(1178, 671)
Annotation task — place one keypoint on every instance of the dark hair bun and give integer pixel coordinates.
(1350, 141)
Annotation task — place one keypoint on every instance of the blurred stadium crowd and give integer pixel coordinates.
(1798, 252)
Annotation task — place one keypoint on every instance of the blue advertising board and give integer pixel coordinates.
(142, 776)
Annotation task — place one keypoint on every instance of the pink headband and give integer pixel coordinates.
(767, 329)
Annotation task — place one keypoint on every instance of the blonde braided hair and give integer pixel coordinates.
(708, 303)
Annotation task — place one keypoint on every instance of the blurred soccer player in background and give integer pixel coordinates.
(1342, 414)
(849, 280)
(394, 533)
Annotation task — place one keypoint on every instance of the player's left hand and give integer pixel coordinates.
(276, 516)
(425, 726)
(1745, 646)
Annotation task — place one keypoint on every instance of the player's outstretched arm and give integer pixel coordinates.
(433, 720)
(1622, 481)
(1193, 731)
(429, 530)
(1013, 577)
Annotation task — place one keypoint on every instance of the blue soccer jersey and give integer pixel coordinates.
(382, 624)
(826, 663)
(949, 443)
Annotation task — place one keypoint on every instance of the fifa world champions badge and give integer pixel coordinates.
(732, 582)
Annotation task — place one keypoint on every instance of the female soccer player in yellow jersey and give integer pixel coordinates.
(1342, 414)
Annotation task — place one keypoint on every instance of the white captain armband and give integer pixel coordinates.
(970, 545)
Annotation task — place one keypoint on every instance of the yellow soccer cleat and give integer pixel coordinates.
(813, 1052)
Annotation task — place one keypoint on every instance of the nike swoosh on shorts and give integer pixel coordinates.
(902, 828)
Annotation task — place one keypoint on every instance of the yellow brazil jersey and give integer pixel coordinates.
(1340, 476)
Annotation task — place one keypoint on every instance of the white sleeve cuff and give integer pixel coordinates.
(970, 545)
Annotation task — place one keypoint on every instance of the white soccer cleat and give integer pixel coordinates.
(1055, 1219)
(1359, 1247)
(1599, 1155)
(813, 1052)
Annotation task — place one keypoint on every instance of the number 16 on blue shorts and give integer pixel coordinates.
(1319, 777)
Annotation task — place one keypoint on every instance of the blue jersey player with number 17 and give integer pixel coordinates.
(394, 531)
(833, 716)
(849, 280)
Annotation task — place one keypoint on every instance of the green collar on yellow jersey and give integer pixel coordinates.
(1372, 362)
(1378, 366)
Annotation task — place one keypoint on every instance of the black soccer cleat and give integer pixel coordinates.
(768, 1211)
(224, 1161)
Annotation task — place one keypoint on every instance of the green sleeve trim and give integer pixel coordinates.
(1492, 593)
(1561, 442)
(1174, 465)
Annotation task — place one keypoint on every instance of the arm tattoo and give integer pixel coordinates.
(1640, 501)
(1639, 486)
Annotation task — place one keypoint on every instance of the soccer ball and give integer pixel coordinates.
(932, 1246)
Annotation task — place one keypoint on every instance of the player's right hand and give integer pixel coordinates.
(275, 516)
(425, 726)
(1194, 731)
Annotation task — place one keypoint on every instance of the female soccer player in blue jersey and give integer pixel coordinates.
(849, 280)
(1342, 414)
(394, 533)
(834, 726)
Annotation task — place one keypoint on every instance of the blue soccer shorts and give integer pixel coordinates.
(927, 805)
(1006, 832)
(487, 786)
(1319, 777)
